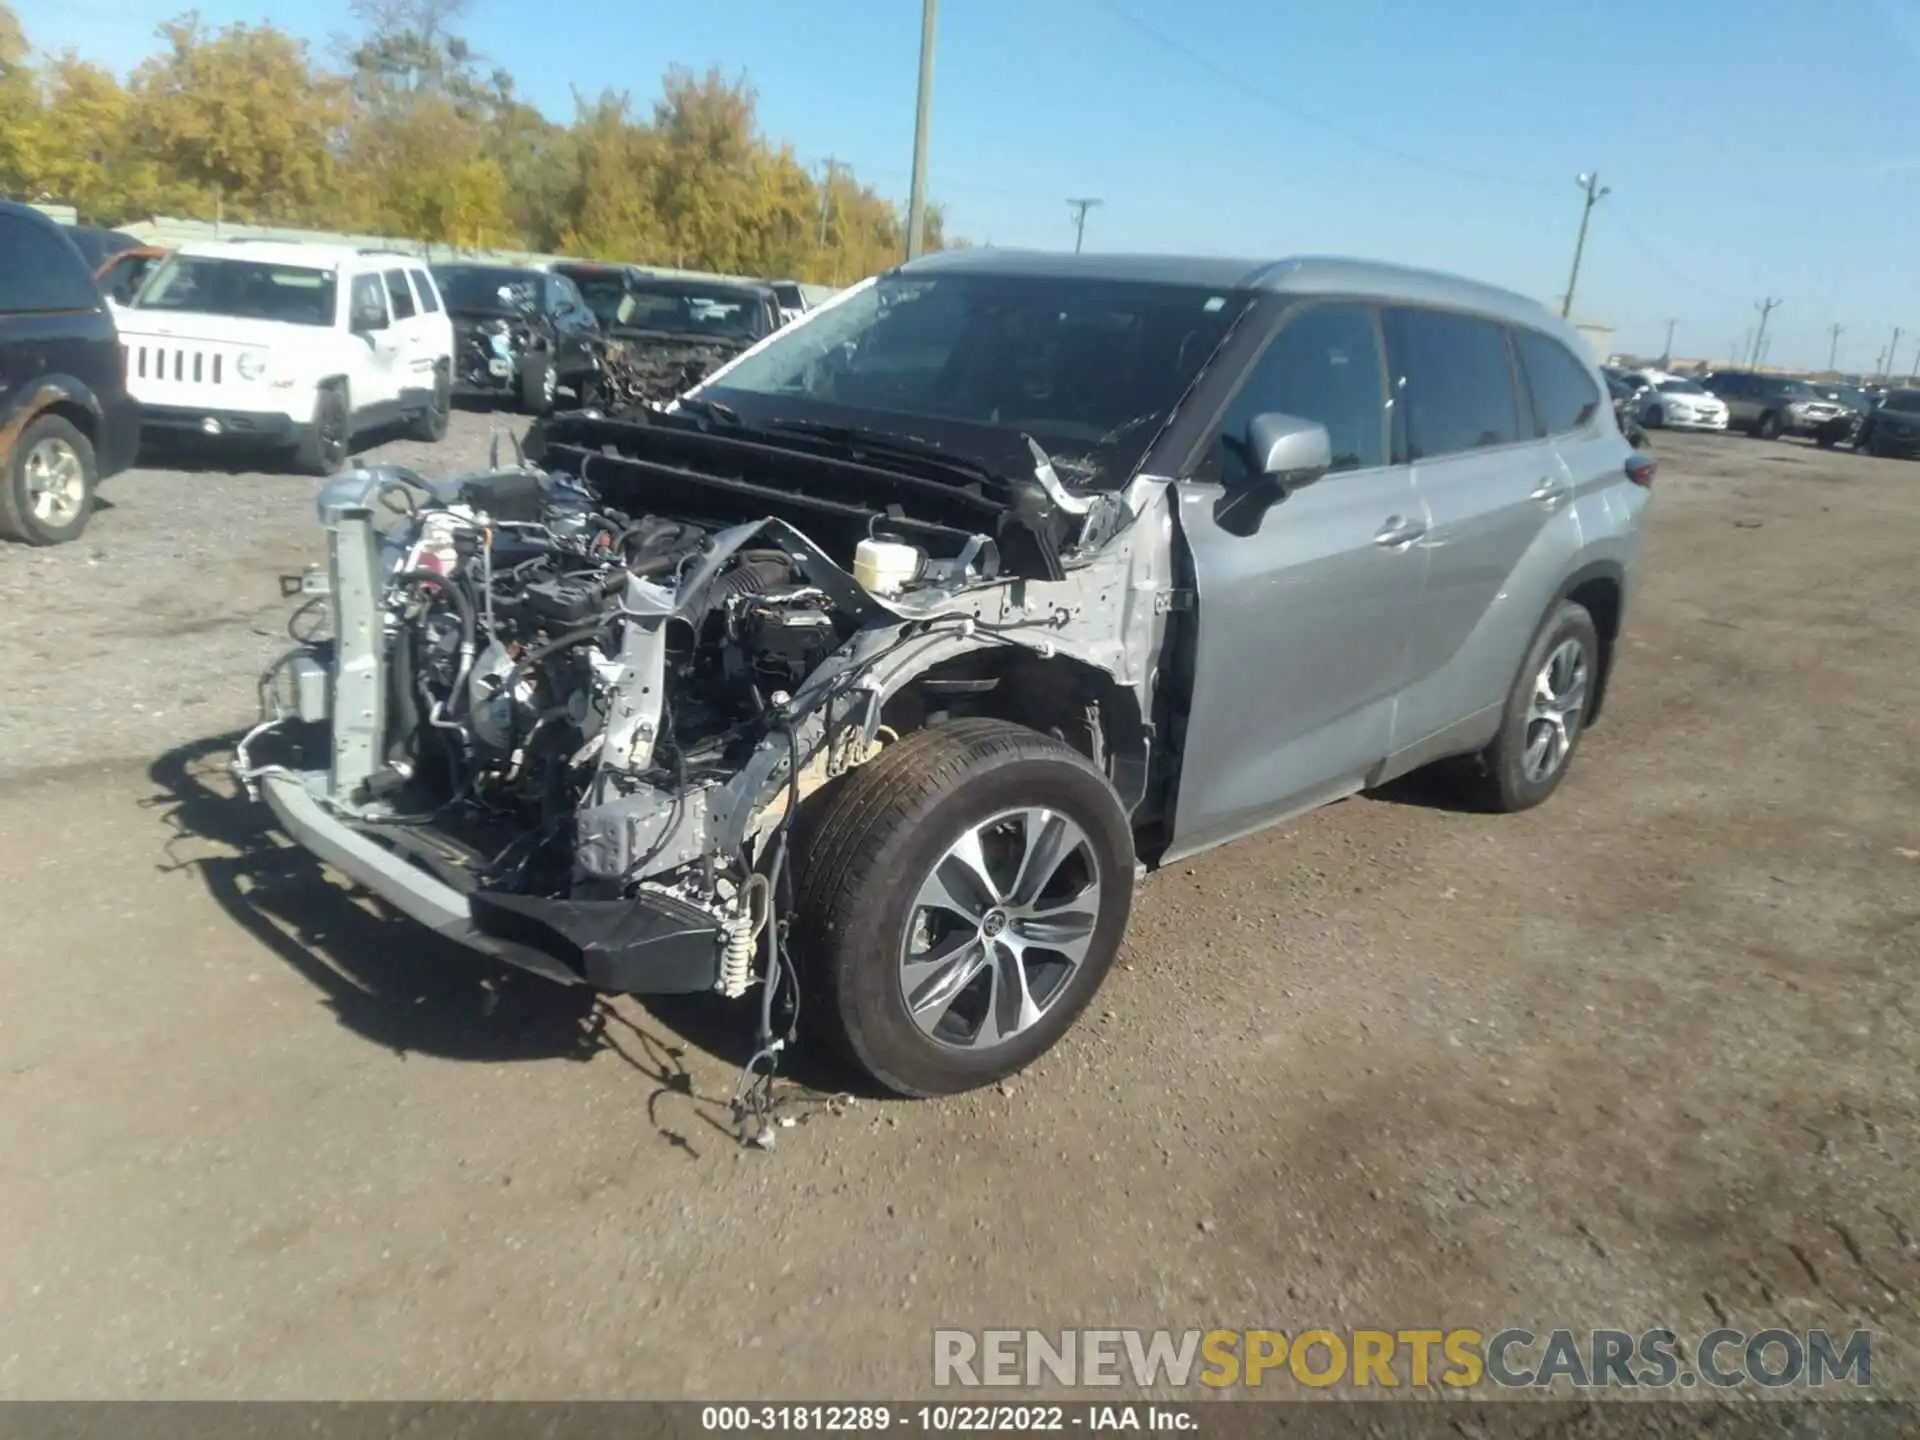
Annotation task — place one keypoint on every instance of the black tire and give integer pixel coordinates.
(430, 425)
(881, 835)
(1767, 427)
(52, 448)
(1504, 782)
(539, 383)
(322, 448)
(1656, 417)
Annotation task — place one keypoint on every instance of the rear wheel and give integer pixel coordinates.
(963, 897)
(1769, 427)
(322, 448)
(1546, 713)
(1656, 417)
(48, 493)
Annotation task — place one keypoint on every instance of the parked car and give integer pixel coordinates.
(299, 346)
(98, 245)
(1843, 428)
(665, 332)
(968, 583)
(1625, 397)
(1893, 426)
(1678, 403)
(519, 334)
(1769, 406)
(66, 420)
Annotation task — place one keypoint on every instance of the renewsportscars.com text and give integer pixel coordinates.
(1509, 1359)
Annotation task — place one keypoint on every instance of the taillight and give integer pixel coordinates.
(1640, 468)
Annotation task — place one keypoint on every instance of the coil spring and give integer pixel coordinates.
(743, 933)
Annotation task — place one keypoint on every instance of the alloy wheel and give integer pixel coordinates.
(999, 928)
(1554, 712)
(56, 482)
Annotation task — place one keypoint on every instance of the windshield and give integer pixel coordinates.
(1907, 402)
(249, 289)
(1089, 368)
(693, 308)
(491, 289)
(1681, 387)
(603, 288)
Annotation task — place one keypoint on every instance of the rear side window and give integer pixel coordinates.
(1323, 365)
(42, 271)
(368, 308)
(1564, 395)
(423, 287)
(400, 295)
(1456, 380)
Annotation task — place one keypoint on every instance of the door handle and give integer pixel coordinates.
(1547, 490)
(1399, 531)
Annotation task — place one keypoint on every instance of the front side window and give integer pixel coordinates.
(369, 310)
(244, 289)
(1088, 368)
(1457, 382)
(1564, 395)
(400, 295)
(1324, 365)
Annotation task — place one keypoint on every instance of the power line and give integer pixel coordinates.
(1161, 37)
(1080, 208)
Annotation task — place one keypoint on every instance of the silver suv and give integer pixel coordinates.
(877, 669)
(1769, 406)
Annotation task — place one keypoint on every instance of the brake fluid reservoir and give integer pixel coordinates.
(885, 566)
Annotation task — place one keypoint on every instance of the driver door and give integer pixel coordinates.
(1304, 613)
(373, 377)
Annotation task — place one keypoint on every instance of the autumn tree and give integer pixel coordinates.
(19, 108)
(239, 122)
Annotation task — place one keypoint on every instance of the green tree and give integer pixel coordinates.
(19, 109)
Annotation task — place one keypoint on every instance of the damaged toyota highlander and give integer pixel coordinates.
(866, 679)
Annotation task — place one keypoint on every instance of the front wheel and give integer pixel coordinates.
(322, 449)
(1546, 713)
(430, 425)
(48, 489)
(964, 895)
(1656, 417)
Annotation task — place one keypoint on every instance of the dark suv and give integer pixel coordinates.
(66, 420)
(519, 334)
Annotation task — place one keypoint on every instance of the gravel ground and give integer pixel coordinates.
(1645, 1056)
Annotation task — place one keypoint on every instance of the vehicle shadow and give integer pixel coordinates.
(242, 456)
(411, 992)
(1443, 785)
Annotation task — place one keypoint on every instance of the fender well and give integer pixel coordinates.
(1075, 702)
(1600, 588)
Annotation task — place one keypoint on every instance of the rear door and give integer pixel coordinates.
(1492, 483)
(1302, 617)
(413, 331)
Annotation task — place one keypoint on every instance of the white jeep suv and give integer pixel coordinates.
(304, 346)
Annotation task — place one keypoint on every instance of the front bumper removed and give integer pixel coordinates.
(648, 945)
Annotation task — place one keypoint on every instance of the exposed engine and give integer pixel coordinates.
(649, 372)
(507, 674)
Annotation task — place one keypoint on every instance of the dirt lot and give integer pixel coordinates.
(1646, 1056)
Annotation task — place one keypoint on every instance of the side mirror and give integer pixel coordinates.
(1288, 450)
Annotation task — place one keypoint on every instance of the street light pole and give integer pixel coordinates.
(1588, 181)
(917, 196)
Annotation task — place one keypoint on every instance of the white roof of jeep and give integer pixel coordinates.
(290, 252)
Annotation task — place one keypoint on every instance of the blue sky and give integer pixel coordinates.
(1759, 148)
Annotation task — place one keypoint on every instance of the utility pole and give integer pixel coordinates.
(826, 197)
(1893, 346)
(1766, 308)
(1080, 208)
(1588, 181)
(1833, 346)
(1666, 355)
(917, 196)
